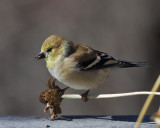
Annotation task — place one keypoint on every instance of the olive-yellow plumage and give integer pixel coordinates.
(77, 65)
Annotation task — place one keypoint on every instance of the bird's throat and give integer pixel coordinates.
(51, 61)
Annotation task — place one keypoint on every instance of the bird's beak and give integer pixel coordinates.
(41, 55)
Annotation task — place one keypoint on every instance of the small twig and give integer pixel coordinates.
(77, 96)
(147, 103)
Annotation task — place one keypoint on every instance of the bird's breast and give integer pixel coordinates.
(65, 72)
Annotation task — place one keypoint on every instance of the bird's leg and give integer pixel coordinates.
(84, 96)
(63, 90)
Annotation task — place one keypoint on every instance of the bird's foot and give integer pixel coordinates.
(63, 90)
(84, 96)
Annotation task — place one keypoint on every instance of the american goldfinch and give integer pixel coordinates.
(78, 66)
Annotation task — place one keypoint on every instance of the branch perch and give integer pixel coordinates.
(101, 96)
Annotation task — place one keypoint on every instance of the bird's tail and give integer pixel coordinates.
(126, 64)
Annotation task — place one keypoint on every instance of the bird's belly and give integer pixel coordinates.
(86, 79)
(80, 79)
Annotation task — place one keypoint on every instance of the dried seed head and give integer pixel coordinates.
(52, 97)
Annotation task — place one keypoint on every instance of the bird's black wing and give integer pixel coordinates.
(99, 61)
(102, 60)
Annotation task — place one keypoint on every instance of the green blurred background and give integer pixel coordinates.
(125, 29)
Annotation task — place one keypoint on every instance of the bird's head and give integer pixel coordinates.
(54, 47)
(51, 48)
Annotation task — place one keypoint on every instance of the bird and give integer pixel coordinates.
(77, 65)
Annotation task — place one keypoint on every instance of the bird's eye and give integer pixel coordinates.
(49, 49)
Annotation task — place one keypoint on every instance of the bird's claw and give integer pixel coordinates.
(84, 96)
